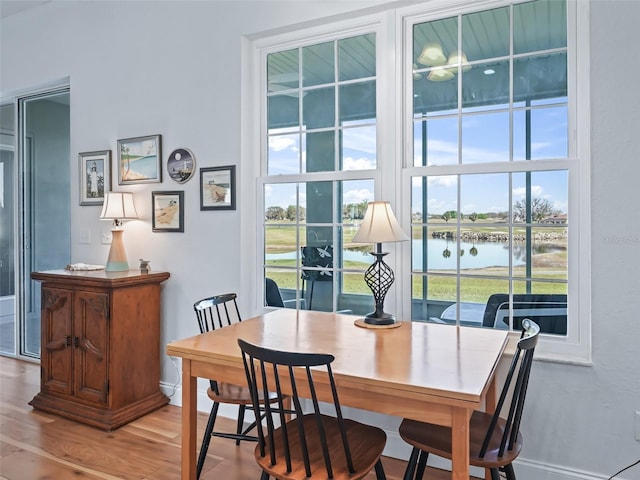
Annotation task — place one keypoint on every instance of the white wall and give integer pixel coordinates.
(173, 68)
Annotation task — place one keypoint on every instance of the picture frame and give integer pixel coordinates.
(218, 188)
(167, 211)
(181, 165)
(139, 160)
(95, 176)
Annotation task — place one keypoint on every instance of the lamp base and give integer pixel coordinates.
(374, 318)
(117, 261)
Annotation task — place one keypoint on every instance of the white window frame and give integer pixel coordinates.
(392, 174)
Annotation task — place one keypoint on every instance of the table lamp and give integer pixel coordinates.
(118, 206)
(379, 226)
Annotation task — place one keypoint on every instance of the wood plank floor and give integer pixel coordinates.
(38, 446)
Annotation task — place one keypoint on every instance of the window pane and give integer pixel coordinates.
(485, 194)
(435, 142)
(284, 154)
(318, 108)
(319, 151)
(540, 253)
(319, 197)
(359, 148)
(357, 103)
(540, 197)
(486, 86)
(357, 57)
(282, 70)
(434, 41)
(486, 248)
(318, 64)
(277, 200)
(486, 34)
(540, 77)
(282, 112)
(539, 25)
(540, 133)
(355, 196)
(485, 138)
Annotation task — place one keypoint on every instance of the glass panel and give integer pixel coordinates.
(486, 34)
(356, 297)
(485, 138)
(318, 108)
(486, 195)
(278, 198)
(280, 245)
(319, 197)
(540, 197)
(540, 77)
(486, 250)
(474, 294)
(286, 283)
(319, 151)
(544, 303)
(485, 86)
(431, 97)
(540, 133)
(434, 41)
(357, 103)
(283, 155)
(359, 148)
(282, 113)
(318, 65)
(282, 70)
(355, 196)
(435, 142)
(541, 252)
(357, 57)
(441, 197)
(539, 25)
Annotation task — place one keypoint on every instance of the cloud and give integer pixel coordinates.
(520, 192)
(280, 143)
(350, 163)
(357, 196)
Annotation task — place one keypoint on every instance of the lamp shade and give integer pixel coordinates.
(118, 206)
(432, 55)
(379, 225)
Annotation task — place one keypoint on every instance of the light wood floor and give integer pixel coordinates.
(38, 446)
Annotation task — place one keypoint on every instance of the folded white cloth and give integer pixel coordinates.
(83, 266)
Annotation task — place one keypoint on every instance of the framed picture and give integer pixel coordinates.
(139, 160)
(95, 176)
(181, 164)
(218, 188)
(167, 211)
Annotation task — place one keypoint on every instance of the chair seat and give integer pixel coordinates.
(436, 439)
(236, 394)
(366, 443)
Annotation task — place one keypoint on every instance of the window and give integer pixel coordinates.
(485, 157)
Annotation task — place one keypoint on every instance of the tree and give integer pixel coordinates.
(275, 213)
(540, 209)
(291, 213)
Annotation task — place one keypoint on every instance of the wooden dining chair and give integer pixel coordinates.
(213, 313)
(494, 442)
(311, 445)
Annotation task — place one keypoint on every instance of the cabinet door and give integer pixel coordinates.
(91, 338)
(56, 353)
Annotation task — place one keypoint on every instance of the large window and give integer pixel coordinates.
(474, 124)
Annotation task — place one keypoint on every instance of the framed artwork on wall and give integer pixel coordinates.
(139, 160)
(95, 176)
(167, 211)
(218, 188)
(181, 164)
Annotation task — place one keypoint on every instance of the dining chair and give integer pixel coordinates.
(494, 442)
(314, 444)
(213, 313)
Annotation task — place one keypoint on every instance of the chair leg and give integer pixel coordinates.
(508, 469)
(380, 475)
(411, 465)
(264, 476)
(240, 422)
(422, 463)
(495, 474)
(207, 437)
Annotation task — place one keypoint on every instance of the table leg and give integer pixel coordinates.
(189, 421)
(460, 443)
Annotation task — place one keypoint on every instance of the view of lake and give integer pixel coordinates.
(490, 254)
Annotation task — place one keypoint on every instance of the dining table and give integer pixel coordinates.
(420, 370)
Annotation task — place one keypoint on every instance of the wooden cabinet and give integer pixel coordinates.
(100, 347)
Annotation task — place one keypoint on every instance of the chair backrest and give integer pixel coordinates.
(217, 312)
(272, 295)
(549, 311)
(267, 371)
(519, 370)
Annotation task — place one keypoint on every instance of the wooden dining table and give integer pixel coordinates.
(424, 371)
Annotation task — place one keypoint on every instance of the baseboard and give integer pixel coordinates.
(397, 448)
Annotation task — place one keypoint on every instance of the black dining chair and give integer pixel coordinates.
(213, 313)
(494, 442)
(311, 445)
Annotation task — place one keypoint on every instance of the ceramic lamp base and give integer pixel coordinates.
(117, 261)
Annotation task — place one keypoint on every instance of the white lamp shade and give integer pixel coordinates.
(440, 74)
(379, 225)
(432, 55)
(118, 206)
